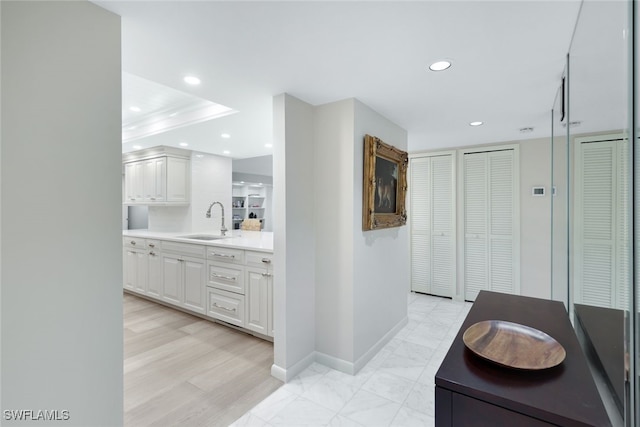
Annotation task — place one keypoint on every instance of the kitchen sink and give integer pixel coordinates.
(202, 237)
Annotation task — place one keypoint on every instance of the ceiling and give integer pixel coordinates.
(508, 58)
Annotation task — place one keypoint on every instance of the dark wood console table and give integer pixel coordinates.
(474, 392)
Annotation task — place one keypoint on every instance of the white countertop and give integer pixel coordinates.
(241, 239)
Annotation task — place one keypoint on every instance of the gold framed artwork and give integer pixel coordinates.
(384, 185)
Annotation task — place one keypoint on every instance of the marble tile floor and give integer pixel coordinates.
(396, 387)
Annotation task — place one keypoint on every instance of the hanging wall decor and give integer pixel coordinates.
(384, 185)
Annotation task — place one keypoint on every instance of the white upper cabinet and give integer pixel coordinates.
(157, 176)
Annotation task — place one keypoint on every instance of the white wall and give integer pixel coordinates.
(61, 282)
(381, 257)
(210, 181)
(535, 218)
(359, 281)
(335, 204)
(294, 240)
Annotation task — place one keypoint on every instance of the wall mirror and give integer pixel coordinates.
(592, 214)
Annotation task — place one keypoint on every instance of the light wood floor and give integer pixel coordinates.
(182, 370)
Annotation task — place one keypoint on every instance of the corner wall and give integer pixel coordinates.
(294, 238)
(359, 282)
(60, 173)
(381, 257)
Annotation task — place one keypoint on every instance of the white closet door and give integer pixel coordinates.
(476, 277)
(490, 223)
(442, 226)
(602, 220)
(420, 217)
(501, 221)
(432, 222)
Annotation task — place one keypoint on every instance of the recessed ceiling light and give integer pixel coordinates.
(137, 147)
(268, 145)
(226, 152)
(184, 144)
(199, 156)
(259, 183)
(192, 80)
(134, 108)
(225, 135)
(476, 123)
(440, 66)
(241, 182)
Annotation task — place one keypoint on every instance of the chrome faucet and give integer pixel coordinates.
(223, 230)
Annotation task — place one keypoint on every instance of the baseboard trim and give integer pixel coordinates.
(335, 363)
(286, 375)
(362, 361)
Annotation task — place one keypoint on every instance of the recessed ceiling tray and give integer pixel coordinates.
(513, 345)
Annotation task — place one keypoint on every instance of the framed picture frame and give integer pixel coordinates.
(384, 185)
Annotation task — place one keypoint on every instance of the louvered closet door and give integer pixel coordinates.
(432, 225)
(602, 240)
(490, 200)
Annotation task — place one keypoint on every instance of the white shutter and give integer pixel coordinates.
(490, 222)
(594, 273)
(602, 271)
(420, 220)
(501, 221)
(475, 224)
(623, 236)
(442, 249)
(432, 196)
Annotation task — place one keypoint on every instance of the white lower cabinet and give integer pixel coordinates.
(257, 300)
(226, 306)
(184, 281)
(135, 267)
(154, 276)
(231, 285)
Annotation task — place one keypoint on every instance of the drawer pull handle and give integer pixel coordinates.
(220, 276)
(133, 242)
(222, 255)
(266, 260)
(224, 308)
(266, 274)
(152, 253)
(153, 198)
(151, 245)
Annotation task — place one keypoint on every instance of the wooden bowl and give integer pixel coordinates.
(513, 345)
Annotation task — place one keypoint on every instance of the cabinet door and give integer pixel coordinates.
(130, 265)
(140, 284)
(177, 180)
(129, 182)
(138, 181)
(194, 271)
(171, 278)
(257, 300)
(149, 180)
(160, 179)
(154, 277)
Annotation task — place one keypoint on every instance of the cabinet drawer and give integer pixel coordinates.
(226, 277)
(225, 306)
(183, 249)
(134, 242)
(235, 256)
(259, 259)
